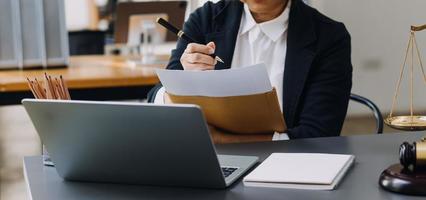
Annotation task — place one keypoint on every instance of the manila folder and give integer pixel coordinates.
(246, 114)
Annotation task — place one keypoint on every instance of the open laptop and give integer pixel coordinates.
(134, 143)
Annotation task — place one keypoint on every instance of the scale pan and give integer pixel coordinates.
(407, 123)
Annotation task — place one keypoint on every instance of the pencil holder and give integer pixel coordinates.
(49, 88)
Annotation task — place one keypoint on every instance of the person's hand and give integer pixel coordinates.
(197, 57)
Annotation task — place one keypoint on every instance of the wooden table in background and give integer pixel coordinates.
(88, 78)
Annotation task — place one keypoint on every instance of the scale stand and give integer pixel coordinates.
(396, 178)
(408, 122)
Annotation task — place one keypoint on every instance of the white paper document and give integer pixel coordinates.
(300, 171)
(216, 83)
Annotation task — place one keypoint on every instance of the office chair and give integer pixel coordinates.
(376, 111)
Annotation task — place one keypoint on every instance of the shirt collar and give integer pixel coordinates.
(273, 28)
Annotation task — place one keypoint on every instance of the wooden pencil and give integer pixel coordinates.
(39, 89)
(67, 92)
(61, 83)
(32, 88)
(38, 95)
(51, 87)
(59, 89)
(47, 86)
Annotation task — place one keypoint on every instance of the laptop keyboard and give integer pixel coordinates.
(227, 171)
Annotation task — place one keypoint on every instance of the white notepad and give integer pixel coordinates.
(311, 171)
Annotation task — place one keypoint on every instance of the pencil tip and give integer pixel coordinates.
(219, 59)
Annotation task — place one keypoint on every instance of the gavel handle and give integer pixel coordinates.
(418, 28)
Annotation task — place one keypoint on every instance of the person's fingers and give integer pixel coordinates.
(197, 66)
(197, 57)
(187, 58)
(200, 58)
(202, 66)
(212, 45)
(199, 48)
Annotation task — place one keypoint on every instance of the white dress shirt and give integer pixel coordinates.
(260, 43)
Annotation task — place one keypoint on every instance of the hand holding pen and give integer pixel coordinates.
(196, 56)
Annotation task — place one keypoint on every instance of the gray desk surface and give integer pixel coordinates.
(373, 154)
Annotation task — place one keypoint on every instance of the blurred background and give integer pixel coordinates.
(379, 30)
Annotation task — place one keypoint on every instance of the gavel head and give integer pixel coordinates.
(413, 154)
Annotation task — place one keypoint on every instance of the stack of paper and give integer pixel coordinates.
(300, 171)
(217, 83)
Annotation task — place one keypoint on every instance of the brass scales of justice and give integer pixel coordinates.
(410, 122)
(408, 176)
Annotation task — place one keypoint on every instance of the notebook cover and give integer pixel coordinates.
(300, 171)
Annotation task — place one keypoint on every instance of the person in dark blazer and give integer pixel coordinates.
(308, 56)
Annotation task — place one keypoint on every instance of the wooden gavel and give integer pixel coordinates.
(413, 154)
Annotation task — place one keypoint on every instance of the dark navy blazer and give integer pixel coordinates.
(318, 70)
